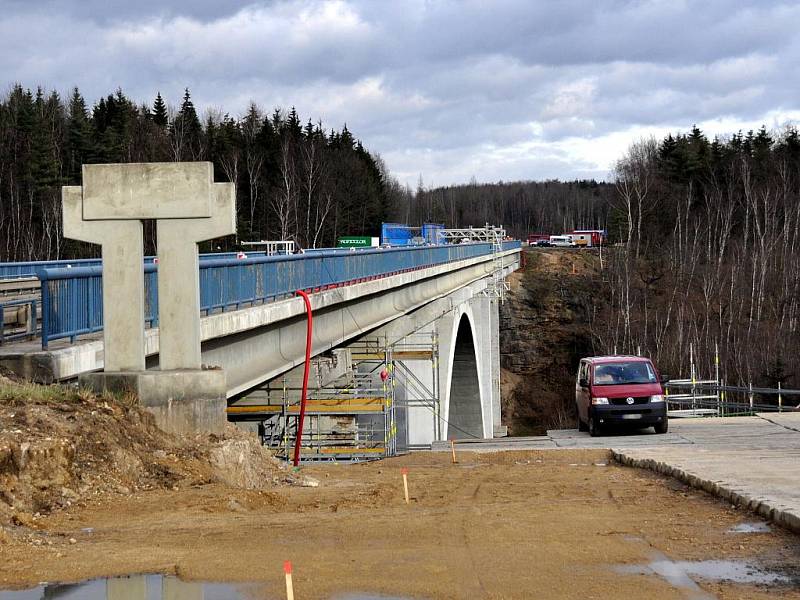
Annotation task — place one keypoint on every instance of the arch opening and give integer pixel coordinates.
(465, 416)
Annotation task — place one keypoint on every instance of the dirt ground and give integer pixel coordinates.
(537, 524)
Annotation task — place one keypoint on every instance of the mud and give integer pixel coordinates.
(503, 525)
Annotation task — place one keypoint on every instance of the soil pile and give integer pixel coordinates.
(545, 329)
(60, 446)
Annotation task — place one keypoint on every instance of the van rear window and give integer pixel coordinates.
(624, 372)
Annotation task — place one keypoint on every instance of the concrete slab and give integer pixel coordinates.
(182, 401)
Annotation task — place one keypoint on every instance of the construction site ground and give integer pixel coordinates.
(514, 524)
(90, 488)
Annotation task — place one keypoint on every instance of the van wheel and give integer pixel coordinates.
(594, 426)
(662, 427)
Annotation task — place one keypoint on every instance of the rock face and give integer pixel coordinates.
(545, 329)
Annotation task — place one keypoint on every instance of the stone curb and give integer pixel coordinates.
(766, 508)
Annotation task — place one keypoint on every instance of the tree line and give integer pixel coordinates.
(294, 181)
(711, 234)
(704, 236)
(523, 207)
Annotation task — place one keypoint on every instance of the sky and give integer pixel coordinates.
(449, 91)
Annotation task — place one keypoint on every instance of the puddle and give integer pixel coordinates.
(155, 587)
(682, 574)
(135, 587)
(758, 527)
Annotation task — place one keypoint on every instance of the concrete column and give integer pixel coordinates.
(173, 588)
(415, 379)
(178, 278)
(447, 338)
(123, 280)
(499, 430)
(127, 588)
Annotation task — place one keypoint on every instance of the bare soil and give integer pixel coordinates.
(61, 447)
(535, 524)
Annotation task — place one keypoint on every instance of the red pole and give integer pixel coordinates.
(309, 329)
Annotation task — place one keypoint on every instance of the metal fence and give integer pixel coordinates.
(13, 270)
(687, 398)
(72, 297)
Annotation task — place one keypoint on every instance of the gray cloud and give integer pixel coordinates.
(450, 89)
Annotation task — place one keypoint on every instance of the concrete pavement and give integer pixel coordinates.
(748, 461)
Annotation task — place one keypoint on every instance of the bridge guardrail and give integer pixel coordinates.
(13, 270)
(72, 297)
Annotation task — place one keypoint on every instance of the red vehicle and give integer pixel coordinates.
(620, 390)
(537, 237)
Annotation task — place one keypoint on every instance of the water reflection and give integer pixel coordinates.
(134, 587)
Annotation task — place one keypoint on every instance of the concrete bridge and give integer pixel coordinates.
(369, 308)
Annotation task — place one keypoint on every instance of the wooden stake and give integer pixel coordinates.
(287, 569)
(453, 450)
(404, 472)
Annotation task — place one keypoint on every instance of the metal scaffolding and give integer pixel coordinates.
(359, 415)
(489, 234)
(349, 419)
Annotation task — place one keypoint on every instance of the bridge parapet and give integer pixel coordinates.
(72, 297)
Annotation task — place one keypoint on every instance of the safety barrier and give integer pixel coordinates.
(13, 270)
(72, 297)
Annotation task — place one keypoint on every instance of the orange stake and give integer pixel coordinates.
(404, 472)
(287, 569)
(453, 450)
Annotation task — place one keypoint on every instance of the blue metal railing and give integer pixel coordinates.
(13, 270)
(72, 297)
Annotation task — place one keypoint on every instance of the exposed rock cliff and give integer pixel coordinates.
(544, 331)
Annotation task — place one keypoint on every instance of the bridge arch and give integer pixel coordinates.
(465, 410)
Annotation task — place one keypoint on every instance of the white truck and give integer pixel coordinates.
(561, 241)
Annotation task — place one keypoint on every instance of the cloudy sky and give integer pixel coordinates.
(491, 89)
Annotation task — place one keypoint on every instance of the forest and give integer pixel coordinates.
(523, 207)
(711, 232)
(703, 233)
(294, 181)
(704, 236)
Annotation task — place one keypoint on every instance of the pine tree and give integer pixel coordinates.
(186, 131)
(79, 137)
(160, 117)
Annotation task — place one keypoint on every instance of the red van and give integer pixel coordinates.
(620, 390)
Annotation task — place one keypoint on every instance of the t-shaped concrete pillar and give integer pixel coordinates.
(188, 208)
